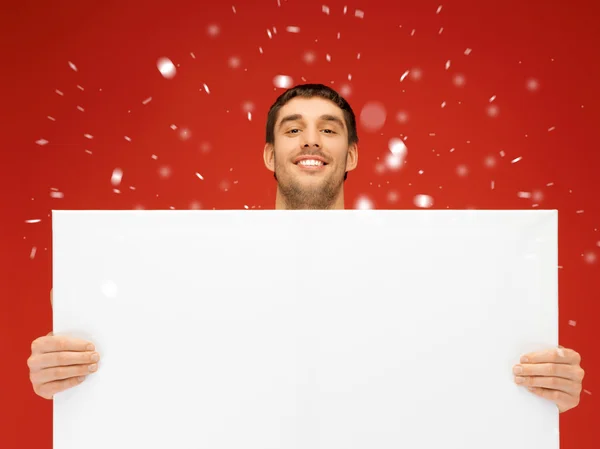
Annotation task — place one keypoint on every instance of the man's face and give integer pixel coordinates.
(311, 153)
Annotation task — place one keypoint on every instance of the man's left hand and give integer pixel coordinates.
(554, 374)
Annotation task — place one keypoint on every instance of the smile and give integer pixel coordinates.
(311, 163)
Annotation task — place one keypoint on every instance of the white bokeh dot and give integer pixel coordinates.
(532, 85)
(164, 172)
(213, 30)
(166, 68)
(490, 161)
(234, 62)
(402, 117)
(493, 110)
(459, 80)
(372, 116)
(423, 201)
(283, 81)
(363, 203)
(309, 57)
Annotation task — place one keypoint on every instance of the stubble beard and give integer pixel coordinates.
(299, 196)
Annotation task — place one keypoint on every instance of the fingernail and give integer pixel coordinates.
(518, 369)
(93, 367)
(524, 360)
(90, 347)
(95, 357)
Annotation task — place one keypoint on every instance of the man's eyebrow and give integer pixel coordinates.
(324, 117)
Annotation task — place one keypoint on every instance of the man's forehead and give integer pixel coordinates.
(310, 108)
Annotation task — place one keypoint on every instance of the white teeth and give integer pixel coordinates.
(310, 162)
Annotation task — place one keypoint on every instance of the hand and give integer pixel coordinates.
(59, 363)
(554, 374)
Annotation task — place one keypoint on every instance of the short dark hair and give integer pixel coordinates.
(310, 91)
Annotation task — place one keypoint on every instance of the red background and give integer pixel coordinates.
(115, 47)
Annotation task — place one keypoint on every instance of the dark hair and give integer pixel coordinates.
(310, 91)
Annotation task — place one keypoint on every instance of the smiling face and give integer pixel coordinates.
(310, 154)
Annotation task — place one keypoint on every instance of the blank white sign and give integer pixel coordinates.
(306, 329)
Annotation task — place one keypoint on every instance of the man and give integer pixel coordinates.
(311, 145)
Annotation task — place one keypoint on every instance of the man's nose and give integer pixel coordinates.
(310, 139)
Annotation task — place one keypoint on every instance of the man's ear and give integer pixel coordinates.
(352, 159)
(51, 304)
(269, 156)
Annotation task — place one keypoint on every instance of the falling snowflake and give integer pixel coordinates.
(116, 177)
(309, 57)
(185, 134)
(532, 85)
(73, 66)
(363, 203)
(392, 196)
(164, 172)
(234, 62)
(199, 176)
(517, 159)
(293, 29)
(459, 80)
(325, 9)
(283, 81)
(402, 117)
(41, 142)
(147, 100)
(462, 171)
(490, 161)
(213, 30)
(166, 68)
(372, 116)
(423, 201)
(493, 110)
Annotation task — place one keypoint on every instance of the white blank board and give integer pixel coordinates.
(306, 329)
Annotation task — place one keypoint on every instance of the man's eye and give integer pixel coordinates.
(292, 130)
(329, 131)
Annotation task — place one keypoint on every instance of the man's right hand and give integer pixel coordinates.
(58, 363)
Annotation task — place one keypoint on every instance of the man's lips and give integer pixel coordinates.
(310, 158)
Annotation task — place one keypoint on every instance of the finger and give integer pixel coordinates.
(60, 343)
(550, 383)
(555, 355)
(563, 400)
(61, 373)
(49, 389)
(67, 358)
(549, 370)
